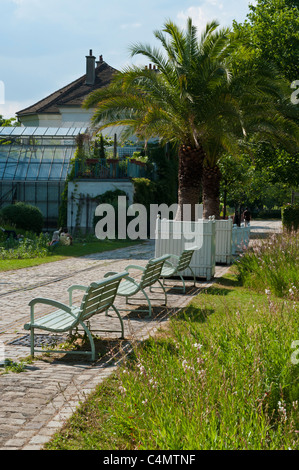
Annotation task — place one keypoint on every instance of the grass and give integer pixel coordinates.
(273, 265)
(79, 248)
(14, 367)
(219, 376)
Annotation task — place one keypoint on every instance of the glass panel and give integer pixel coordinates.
(29, 131)
(21, 169)
(33, 169)
(51, 131)
(55, 171)
(44, 171)
(6, 130)
(18, 131)
(2, 168)
(40, 131)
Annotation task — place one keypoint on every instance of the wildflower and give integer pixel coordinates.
(122, 389)
(267, 291)
(200, 360)
(186, 366)
(197, 346)
(202, 373)
(153, 383)
(282, 411)
(141, 369)
(144, 402)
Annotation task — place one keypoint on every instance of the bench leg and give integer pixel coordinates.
(149, 303)
(183, 281)
(121, 322)
(32, 342)
(193, 276)
(163, 290)
(93, 350)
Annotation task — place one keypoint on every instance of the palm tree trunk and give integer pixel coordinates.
(211, 192)
(189, 181)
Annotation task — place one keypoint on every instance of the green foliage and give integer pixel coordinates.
(13, 367)
(99, 148)
(80, 156)
(290, 216)
(9, 122)
(24, 216)
(29, 246)
(279, 165)
(272, 28)
(272, 265)
(144, 192)
(111, 198)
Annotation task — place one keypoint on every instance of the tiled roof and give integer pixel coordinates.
(72, 94)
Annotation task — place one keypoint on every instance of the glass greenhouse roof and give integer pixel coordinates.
(41, 131)
(36, 153)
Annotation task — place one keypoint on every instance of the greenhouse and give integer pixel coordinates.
(34, 164)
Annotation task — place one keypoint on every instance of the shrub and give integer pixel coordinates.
(144, 192)
(24, 216)
(290, 216)
(30, 246)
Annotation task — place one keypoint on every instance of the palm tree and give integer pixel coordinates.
(181, 100)
(191, 98)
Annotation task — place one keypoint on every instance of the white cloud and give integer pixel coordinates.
(199, 15)
(10, 108)
(214, 10)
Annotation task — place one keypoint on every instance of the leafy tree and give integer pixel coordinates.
(271, 33)
(8, 122)
(235, 182)
(272, 29)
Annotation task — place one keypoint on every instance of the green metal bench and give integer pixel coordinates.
(151, 274)
(99, 297)
(182, 263)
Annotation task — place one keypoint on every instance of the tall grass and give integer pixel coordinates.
(220, 376)
(273, 265)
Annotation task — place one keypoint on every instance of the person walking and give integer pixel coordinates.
(247, 217)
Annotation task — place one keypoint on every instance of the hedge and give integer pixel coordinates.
(23, 216)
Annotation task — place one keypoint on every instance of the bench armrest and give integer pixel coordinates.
(110, 273)
(53, 303)
(134, 266)
(72, 288)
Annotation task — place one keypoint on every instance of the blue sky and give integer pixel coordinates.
(43, 43)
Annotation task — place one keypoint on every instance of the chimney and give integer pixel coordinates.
(90, 69)
(100, 61)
